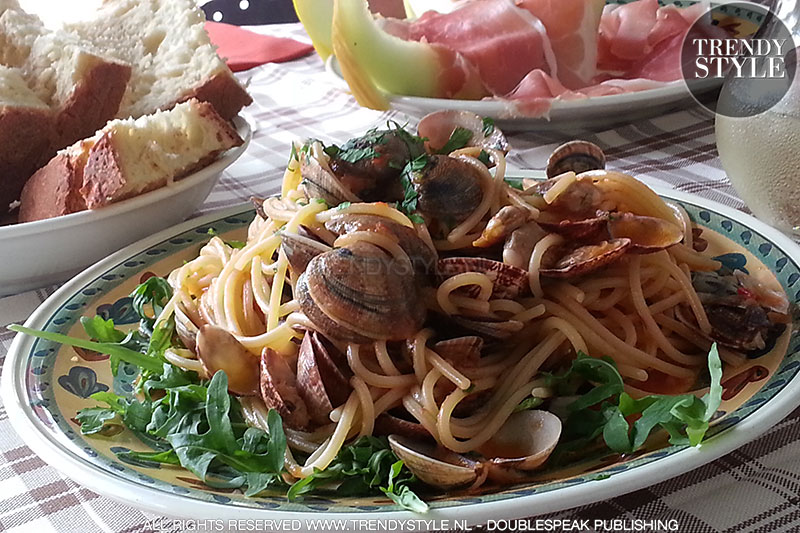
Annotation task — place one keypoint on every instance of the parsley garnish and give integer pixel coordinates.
(488, 126)
(410, 198)
(458, 139)
(484, 158)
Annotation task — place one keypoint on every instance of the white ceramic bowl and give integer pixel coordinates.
(35, 254)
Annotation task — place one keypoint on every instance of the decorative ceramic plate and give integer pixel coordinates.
(588, 113)
(52, 250)
(45, 384)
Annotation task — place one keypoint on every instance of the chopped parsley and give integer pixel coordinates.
(458, 139)
(488, 126)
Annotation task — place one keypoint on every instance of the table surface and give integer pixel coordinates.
(755, 488)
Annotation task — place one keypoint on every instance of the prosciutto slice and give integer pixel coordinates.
(503, 41)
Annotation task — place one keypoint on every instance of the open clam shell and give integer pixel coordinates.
(460, 352)
(438, 126)
(219, 350)
(321, 382)
(585, 259)
(300, 250)
(279, 390)
(507, 281)
(186, 329)
(522, 444)
(448, 189)
(434, 465)
(501, 225)
(576, 156)
(647, 234)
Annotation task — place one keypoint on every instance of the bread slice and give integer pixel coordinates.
(126, 158)
(26, 131)
(82, 86)
(172, 56)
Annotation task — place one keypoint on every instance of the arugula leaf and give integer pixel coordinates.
(606, 409)
(133, 357)
(458, 139)
(93, 419)
(358, 469)
(102, 330)
(155, 292)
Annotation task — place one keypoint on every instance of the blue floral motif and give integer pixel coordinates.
(732, 262)
(81, 381)
(121, 311)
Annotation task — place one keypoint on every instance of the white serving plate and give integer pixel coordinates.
(35, 254)
(599, 112)
(40, 407)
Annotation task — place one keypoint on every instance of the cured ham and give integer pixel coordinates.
(501, 40)
(528, 53)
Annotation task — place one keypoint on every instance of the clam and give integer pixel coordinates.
(518, 247)
(489, 327)
(321, 382)
(370, 166)
(585, 259)
(185, 328)
(501, 225)
(647, 234)
(358, 293)
(460, 352)
(421, 254)
(300, 250)
(433, 464)
(448, 189)
(437, 128)
(576, 229)
(388, 424)
(219, 350)
(575, 156)
(507, 281)
(523, 443)
(320, 182)
(279, 390)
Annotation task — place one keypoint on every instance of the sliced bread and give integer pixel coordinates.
(126, 158)
(83, 86)
(172, 56)
(26, 131)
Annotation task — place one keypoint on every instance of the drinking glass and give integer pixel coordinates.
(761, 153)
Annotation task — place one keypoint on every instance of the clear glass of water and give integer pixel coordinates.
(761, 153)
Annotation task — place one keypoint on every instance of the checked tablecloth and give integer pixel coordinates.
(755, 488)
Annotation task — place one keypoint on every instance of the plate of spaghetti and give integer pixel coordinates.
(409, 329)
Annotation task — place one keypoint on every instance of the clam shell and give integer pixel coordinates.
(647, 234)
(186, 329)
(422, 255)
(448, 189)
(438, 126)
(387, 424)
(575, 156)
(507, 281)
(436, 467)
(280, 392)
(519, 246)
(576, 229)
(585, 259)
(523, 443)
(366, 291)
(460, 352)
(495, 329)
(323, 322)
(320, 382)
(219, 350)
(319, 182)
(301, 250)
(501, 225)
